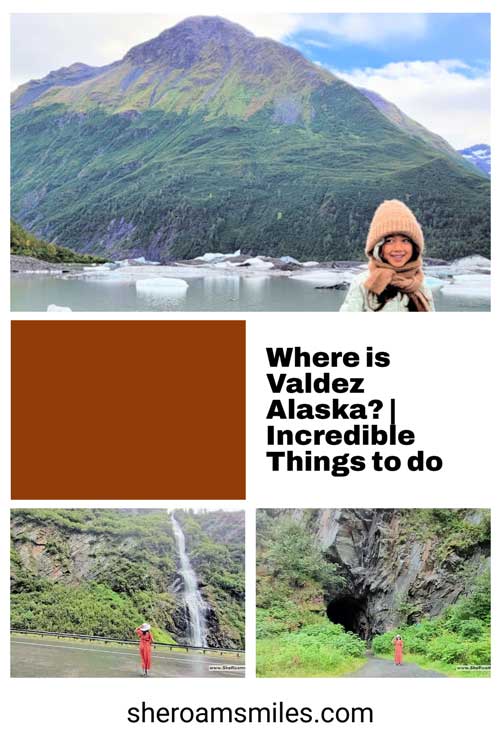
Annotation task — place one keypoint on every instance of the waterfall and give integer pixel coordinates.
(193, 603)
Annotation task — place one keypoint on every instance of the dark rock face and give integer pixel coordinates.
(182, 45)
(391, 576)
(62, 555)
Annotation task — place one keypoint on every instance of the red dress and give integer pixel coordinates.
(398, 651)
(145, 643)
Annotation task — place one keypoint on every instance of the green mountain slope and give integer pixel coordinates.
(103, 572)
(208, 138)
(25, 243)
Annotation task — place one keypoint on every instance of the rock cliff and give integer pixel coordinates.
(397, 565)
(131, 556)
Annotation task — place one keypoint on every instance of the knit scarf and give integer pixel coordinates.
(409, 279)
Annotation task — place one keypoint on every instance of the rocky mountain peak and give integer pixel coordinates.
(183, 44)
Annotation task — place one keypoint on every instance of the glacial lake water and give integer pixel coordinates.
(204, 294)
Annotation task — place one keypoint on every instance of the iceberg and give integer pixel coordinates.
(324, 277)
(469, 285)
(289, 259)
(142, 261)
(108, 278)
(58, 309)
(310, 263)
(256, 263)
(470, 264)
(210, 257)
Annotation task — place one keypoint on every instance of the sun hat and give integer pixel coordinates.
(145, 626)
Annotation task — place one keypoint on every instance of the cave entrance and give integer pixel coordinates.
(350, 612)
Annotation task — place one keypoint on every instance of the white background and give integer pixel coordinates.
(444, 375)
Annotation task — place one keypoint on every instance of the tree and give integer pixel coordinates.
(294, 557)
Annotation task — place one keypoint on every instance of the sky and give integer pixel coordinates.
(435, 67)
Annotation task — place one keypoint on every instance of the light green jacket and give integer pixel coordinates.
(359, 299)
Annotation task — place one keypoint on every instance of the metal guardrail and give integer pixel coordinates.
(105, 639)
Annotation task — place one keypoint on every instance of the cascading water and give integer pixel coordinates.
(193, 603)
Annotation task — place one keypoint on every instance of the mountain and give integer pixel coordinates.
(103, 572)
(410, 126)
(479, 155)
(25, 243)
(208, 138)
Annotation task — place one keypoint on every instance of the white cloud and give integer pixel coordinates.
(272, 25)
(47, 41)
(316, 43)
(445, 96)
(369, 29)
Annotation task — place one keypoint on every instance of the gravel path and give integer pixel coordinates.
(385, 668)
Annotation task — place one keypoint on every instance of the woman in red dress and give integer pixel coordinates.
(398, 650)
(145, 644)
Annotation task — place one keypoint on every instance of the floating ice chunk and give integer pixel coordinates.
(142, 261)
(438, 271)
(469, 285)
(471, 264)
(210, 257)
(310, 263)
(161, 285)
(58, 309)
(289, 259)
(109, 279)
(324, 277)
(256, 263)
(45, 271)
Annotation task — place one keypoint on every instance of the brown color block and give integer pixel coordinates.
(128, 410)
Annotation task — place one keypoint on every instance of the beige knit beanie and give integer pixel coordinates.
(393, 217)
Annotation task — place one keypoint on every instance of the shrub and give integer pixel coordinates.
(449, 648)
(319, 648)
(472, 629)
(480, 652)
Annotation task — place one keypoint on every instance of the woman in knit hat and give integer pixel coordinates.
(394, 281)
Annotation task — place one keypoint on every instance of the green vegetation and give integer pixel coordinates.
(296, 579)
(321, 649)
(178, 182)
(25, 243)
(453, 529)
(90, 609)
(103, 572)
(293, 638)
(460, 636)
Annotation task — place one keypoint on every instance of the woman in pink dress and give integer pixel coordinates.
(398, 650)
(145, 644)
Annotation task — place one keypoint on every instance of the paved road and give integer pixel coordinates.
(386, 668)
(46, 657)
